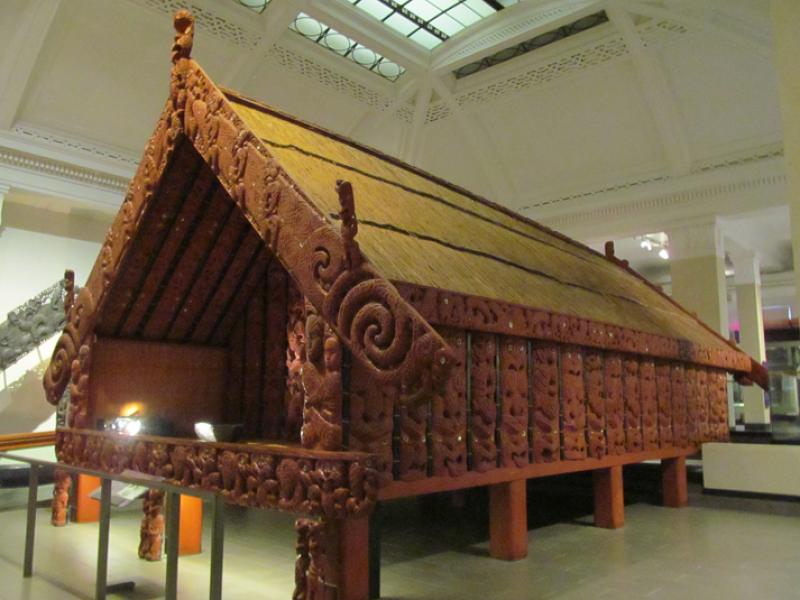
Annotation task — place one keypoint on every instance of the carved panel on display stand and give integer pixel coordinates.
(595, 404)
(664, 399)
(545, 388)
(615, 405)
(632, 393)
(483, 401)
(718, 406)
(647, 371)
(573, 404)
(703, 389)
(514, 381)
(371, 413)
(449, 412)
(678, 388)
(692, 405)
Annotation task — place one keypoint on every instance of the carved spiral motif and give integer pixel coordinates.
(58, 372)
(326, 264)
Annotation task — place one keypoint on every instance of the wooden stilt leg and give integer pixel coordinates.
(354, 559)
(508, 520)
(673, 482)
(87, 510)
(609, 498)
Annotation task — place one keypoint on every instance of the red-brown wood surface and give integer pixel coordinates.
(595, 404)
(253, 365)
(701, 416)
(609, 497)
(274, 391)
(615, 405)
(508, 520)
(674, 483)
(483, 401)
(664, 398)
(449, 412)
(647, 371)
(573, 404)
(371, 412)
(718, 405)
(632, 392)
(692, 405)
(295, 359)
(514, 382)
(545, 388)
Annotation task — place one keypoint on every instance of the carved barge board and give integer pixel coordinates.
(546, 442)
(275, 350)
(573, 404)
(595, 404)
(632, 393)
(615, 405)
(647, 371)
(664, 397)
(483, 401)
(513, 429)
(371, 418)
(680, 431)
(449, 412)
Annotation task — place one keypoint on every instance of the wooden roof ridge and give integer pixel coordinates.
(326, 264)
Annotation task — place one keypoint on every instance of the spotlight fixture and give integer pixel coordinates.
(663, 253)
(654, 241)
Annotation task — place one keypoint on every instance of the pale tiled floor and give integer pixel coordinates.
(716, 549)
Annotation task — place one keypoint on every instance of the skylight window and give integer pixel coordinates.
(255, 5)
(430, 22)
(539, 41)
(327, 37)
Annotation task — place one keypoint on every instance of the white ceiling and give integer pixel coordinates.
(668, 111)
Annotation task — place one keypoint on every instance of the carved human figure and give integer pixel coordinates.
(151, 532)
(60, 507)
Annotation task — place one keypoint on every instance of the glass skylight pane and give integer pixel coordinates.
(447, 25)
(256, 5)
(319, 33)
(423, 9)
(480, 7)
(400, 24)
(464, 15)
(375, 8)
(444, 4)
(423, 38)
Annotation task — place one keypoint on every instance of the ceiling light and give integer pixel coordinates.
(646, 244)
(663, 253)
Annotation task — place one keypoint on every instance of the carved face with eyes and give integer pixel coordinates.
(333, 354)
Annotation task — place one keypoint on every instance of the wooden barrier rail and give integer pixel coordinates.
(26, 439)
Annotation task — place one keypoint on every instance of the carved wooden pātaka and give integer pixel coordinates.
(377, 331)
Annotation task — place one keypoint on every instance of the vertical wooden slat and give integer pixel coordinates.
(647, 371)
(449, 412)
(483, 374)
(664, 396)
(615, 405)
(702, 406)
(235, 376)
(680, 431)
(718, 405)
(546, 442)
(514, 383)
(595, 404)
(633, 404)
(254, 354)
(573, 404)
(692, 406)
(274, 388)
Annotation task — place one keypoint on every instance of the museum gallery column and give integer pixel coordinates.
(697, 270)
(751, 328)
(786, 42)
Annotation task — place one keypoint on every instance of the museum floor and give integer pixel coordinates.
(718, 548)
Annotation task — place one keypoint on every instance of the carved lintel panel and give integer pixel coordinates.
(514, 381)
(322, 385)
(60, 507)
(664, 396)
(615, 405)
(718, 405)
(371, 414)
(647, 371)
(692, 406)
(151, 532)
(632, 393)
(546, 442)
(483, 386)
(701, 415)
(449, 412)
(595, 404)
(573, 404)
(678, 391)
(295, 358)
(330, 484)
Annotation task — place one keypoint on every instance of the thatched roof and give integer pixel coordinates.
(418, 229)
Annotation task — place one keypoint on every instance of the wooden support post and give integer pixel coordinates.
(609, 498)
(673, 482)
(191, 532)
(87, 510)
(354, 558)
(508, 520)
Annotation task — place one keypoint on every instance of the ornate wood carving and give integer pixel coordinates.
(595, 404)
(633, 404)
(692, 405)
(664, 396)
(483, 399)
(573, 409)
(701, 416)
(718, 406)
(295, 359)
(546, 442)
(371, 414)
(331, 484)
(449, 412)
(615, 405)
(412, 446)
(151, 532)
(322, 385)
(647, 371)
(60, 506)
(513, 438)
(680, 433)
(315, 568)
(444, 307)
(78, 409)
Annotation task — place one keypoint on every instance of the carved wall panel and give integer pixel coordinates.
(633, 404)
(692, 406)
(615, 405)
(371, 418)
(664, 399)
(233, 410)
(680, 431)
(295, 359)
(514, 382)
(412, 443)
(483, 401)
(647, 371)
(449, 412)
(254, 367)
(718, 405)
(701, 417)
(546, 439)
(275, 351)
(573, 404)
(595, 404)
